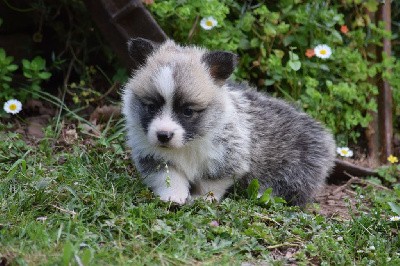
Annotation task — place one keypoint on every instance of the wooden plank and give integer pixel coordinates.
(385, 98)
(120, 20)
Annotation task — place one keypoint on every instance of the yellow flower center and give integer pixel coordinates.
(345, 152)
(209, 23)
(323, 52)
(13, 107)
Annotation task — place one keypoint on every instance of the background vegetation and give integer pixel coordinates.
(272, 39)
(70, 199)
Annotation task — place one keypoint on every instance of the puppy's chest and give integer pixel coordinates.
(200, 162)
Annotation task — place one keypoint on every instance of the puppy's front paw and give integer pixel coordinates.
(177, 195)
(180, 199)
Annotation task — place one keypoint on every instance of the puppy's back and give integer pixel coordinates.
(290, 151)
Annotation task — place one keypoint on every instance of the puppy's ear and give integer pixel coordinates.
(139, 49)
(221, 64)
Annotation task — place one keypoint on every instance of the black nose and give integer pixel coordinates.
(164, 136)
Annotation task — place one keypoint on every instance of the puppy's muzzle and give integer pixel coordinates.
(164, 136)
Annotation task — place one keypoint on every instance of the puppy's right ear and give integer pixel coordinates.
(139, 49)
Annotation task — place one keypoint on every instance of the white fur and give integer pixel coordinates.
(193, 158)
(170, 185)
(164, 82)
(212, 189)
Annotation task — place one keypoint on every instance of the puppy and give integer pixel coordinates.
(194, 134)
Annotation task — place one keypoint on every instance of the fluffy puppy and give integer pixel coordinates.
(194, 134)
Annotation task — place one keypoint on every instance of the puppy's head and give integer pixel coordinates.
(176, 96)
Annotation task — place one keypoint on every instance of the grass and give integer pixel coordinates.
(82, 204)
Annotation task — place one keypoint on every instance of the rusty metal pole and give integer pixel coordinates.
(385, 100)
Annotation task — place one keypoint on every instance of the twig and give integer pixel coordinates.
(351, 192)
(365, 182)
(191, 32)
(111, 89)
(266, 218)
(65, 85)
(73, 213)
(342, 187)
(282, 245)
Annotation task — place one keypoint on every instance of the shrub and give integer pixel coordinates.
(34, 71)
(276, 41)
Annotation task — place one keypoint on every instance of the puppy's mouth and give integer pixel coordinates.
(164, 145)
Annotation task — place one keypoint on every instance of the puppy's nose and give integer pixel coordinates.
(164, 136)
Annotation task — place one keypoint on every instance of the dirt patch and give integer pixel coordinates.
(336, 201)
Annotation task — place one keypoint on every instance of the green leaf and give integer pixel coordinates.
(26, 64)
(266, 196)
(6, 78)
(86, 256)
(13, 169)
(279, 53)
(279, 200)
(371, 5)
(288, 40)
(12, 67)
(337, 36)
(295, 65)
(39, 62)
(293, 56)
(252, 189)
(27, 75)
(44, 75)
(67, 253)
(324, 67)
(269, 82)
(395, 208)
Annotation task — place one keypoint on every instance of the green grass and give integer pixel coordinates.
(82, 204)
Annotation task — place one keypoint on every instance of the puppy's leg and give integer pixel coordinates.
(212, 189)
(170, 186)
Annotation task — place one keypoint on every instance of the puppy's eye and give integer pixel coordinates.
(188, 112)
(151, 108)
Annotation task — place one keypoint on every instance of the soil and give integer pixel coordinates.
(335, 200)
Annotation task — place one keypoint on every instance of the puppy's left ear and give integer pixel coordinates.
(221, 64)
(140, 49)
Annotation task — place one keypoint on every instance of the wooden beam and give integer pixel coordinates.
(120, 20)
(385, 100)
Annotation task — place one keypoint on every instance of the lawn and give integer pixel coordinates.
(75, 199)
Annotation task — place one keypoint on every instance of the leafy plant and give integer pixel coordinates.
(390, 173)
(265, 199)
(34, 71)
(7, 68)
(273, 40)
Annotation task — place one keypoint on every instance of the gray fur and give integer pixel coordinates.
(234, 134)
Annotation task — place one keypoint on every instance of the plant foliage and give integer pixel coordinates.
(272, 39)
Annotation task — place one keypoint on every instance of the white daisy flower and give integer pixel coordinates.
(12, 106)
(344, 151)
(394, 218)
(208, 23)
(323, 51)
